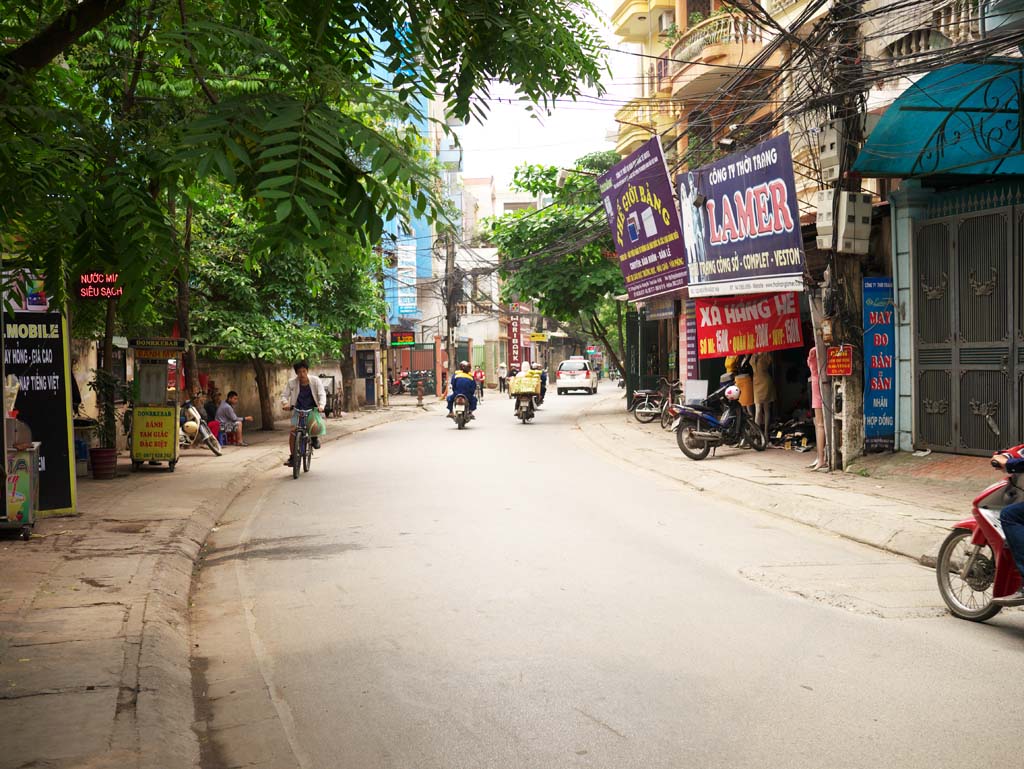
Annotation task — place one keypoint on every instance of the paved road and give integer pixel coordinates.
(512, 596)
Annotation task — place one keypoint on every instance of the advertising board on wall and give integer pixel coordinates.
(879, 366)
(405, 279)
(747, 324)
(741, 223)
(637, 197)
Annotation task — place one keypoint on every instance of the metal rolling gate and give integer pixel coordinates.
(968, 341)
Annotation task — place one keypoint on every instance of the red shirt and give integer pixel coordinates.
(478, 375)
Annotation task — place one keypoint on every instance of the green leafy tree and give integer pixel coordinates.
(272, 315)
(113, 109)
(561, 257)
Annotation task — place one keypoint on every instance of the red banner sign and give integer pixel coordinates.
(748, 324)
(839, 361)
(515, 357)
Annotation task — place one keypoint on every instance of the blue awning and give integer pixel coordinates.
(964, 119)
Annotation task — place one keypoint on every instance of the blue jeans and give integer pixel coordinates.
(1012, 518)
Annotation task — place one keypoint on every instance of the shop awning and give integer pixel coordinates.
(964, 119)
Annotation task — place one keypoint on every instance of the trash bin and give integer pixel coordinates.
(22, 490)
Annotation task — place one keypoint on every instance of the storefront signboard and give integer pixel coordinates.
(839, 360)
(36, 352)
(403, 338)
(747, 324)
(660, 309)
(98, 285)
(637, 197)
(879, 366)
(515, 341)
(741, 223)
(405, 279)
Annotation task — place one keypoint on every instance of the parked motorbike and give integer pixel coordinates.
(719, 420)
(195, 431)
(460, 411)
(974, 565)
(646, 405)
(524, 407)
(400, 384)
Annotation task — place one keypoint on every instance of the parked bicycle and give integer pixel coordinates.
(303, 453)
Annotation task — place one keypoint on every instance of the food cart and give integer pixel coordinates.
(155, 423)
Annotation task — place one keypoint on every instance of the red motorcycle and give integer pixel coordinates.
(975, 565)
(400, 384)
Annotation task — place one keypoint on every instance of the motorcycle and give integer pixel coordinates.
(974, 565)
(524, 407)
(646, 405)
(719, 420)
(400, 384)
(195, 431)
(460, 411)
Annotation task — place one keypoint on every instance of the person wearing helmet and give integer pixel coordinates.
(462, 384)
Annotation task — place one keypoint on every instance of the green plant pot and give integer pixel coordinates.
(104, 463)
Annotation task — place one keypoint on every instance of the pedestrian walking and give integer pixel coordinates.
(502, 377)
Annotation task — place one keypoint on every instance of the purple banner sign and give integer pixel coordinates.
(637, 196)
(741, 223)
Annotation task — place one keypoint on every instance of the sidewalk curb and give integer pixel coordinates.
(162, 696)
(903, 536)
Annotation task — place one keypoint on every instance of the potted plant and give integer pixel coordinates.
(109, 389)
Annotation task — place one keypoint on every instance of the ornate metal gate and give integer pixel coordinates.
(969, 351)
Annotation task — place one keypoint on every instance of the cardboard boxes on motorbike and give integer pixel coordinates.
(525, 385)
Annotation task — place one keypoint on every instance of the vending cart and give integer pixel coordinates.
(155, 423)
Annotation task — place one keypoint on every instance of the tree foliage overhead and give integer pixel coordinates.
(304, 108)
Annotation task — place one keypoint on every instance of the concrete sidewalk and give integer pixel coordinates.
(94, 637)
(895, 502)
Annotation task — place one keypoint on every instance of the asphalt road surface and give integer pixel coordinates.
(514, 596)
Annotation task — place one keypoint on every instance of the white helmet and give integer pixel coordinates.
(190, 428)
(732, 392)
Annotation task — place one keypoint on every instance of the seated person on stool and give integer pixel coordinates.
(230, 422)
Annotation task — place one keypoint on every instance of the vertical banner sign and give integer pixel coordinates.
(637, 197)
(692, 361)
(741, 223)
(36, 352)
(879, 366)
(515, 355)
(748, 324)
(405, 279)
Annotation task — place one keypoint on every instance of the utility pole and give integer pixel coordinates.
(385, 332)
(845, 272)
(450, 290)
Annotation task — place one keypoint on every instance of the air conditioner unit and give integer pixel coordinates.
(665, 20)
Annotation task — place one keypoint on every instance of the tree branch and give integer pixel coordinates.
(66, 30)
(192, 57)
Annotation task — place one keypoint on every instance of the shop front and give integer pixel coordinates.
(958, 255)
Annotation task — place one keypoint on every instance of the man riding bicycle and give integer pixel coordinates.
(305, 393)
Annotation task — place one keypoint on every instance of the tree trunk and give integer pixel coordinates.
(348, 375)
(267, 411)
(183, 304)
(601, 333)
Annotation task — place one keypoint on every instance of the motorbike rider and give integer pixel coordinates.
(543, 379)
(462, 384)
(1012, 519)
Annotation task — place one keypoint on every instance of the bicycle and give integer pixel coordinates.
(303, 452)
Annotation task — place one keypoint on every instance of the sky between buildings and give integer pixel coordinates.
(511, 136)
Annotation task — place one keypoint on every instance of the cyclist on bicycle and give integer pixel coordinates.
(304, 392)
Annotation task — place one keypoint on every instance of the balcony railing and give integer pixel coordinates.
(639, 112)
(723, 28)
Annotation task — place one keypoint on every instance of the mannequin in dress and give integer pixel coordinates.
(819, 420)
(764, 389)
